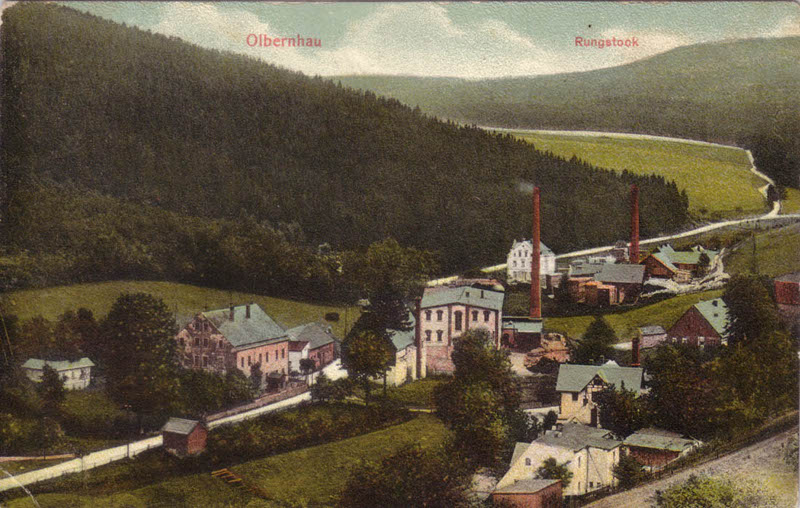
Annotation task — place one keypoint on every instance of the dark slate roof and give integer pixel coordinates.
(465, 295)
(526, 486)
(179, 426)
(652, 330)
(715, 312)
(659, 439)
(789, 277)
(574, 378)
(258, 329)
(316, 334)
(585, 269)
(575, 436)
(620, 274)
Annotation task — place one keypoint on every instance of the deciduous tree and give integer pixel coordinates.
(595, 345)
(552, 470)
(365, 355)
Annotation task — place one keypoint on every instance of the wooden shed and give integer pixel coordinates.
(184, 437)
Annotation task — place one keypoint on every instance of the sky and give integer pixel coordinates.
(467, 40)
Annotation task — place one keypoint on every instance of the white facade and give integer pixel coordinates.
(590, 455)
(520, 257)
(404, 368)
(76, 375)
(296, 356)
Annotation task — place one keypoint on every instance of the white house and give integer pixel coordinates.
(589, 453)
(519, 261)
(76, 375)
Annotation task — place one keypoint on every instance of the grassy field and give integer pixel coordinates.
(696, 168)
(626, 323)
(181, 298)
(777, 253)
(792, 202)
(308, 477)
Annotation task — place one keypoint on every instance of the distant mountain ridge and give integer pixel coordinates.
(742, 92)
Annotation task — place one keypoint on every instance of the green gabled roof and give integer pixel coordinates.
(716, 313)
(669, 256)
(574, 378)
(659, 440)
(522, 324)
(242, 331)
(465, 295)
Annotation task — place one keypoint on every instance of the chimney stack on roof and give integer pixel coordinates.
(536, 291)
(247, 311)
(231, 316)
(633, 252)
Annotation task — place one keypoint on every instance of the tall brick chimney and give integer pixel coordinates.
(421, 364)
(633, 252)
(247, 311)
(635, 350)
(536, 290)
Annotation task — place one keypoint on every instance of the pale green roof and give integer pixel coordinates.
(464, 295)
(659, 440)
(543, 249)
(526, 486)
(401, 339)
(37, 364)
(669, 256)
(574, 378)
(522, 324)
(716, 313)
(242, 331)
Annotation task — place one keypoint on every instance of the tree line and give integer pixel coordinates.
(158, 122)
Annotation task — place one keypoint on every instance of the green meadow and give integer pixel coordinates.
(777, 252)
(183, 299)
(717, 179)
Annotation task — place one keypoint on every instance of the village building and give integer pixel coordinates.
(680, 266)
(239, 337)
(787, 289)
(76, 375)
(702, 325)
(605, 284)
(521, 333)
(313, 341)
(655, 448)
(530, 493)
(403, 366)
(184, 437)
(520, 258)
(446, 312)
(577, 385)
(651, 336)
(589, 453)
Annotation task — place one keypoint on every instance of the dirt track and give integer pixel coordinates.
(762, 462)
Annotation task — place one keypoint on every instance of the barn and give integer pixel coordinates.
(184, 437)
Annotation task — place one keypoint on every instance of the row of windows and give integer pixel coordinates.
(204, 341)
(439, 334)
(251, 358)
(440, 313)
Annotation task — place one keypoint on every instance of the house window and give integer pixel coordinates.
(197, 341)
(579, 465)
(249, 361)
(259, 357)
(242, 362)
(591, 485)
(194, 359)
(515, 264)
(183, 343)
(684, 340)
(221, 344)
(439, 335)
(205, 361)
(474, 315)
(205, 342)
(574, 397)
(283, 354)
(276, 356)
(439, 315)
(527, 462)
(427, 315)
(486, 314)
(428, 335)
(457, 318)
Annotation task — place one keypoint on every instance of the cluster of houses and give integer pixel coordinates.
(611, 278)
(579, 442)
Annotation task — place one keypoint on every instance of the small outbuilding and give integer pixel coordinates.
(184, 437)
(655, 448)
(530, 493)
(787, 289)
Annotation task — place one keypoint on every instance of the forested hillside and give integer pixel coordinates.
(735, 92)
(159, 123)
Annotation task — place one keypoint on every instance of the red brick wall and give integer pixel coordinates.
(438, 360)
(693, 325)
(548, 497)
(653, 458)
(654, 268)
(787, 293)
(196, 441)
(322, 355)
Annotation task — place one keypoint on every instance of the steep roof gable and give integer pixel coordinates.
(716, 313)
(316, 334)
(242, 331)
(465, 295)
(574, 378)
